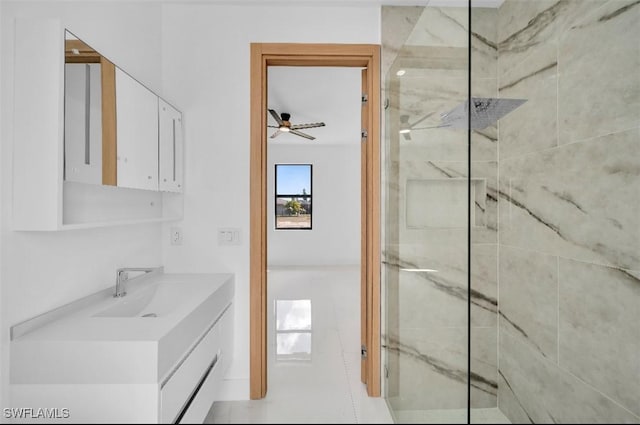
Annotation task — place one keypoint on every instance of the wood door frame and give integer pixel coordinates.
(264, 55)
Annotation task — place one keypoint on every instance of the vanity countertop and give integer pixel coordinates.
(108, 341)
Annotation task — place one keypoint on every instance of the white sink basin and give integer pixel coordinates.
(156, 301)
(101, 352)
(108, 341)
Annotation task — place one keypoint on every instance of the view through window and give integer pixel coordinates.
(293, 196)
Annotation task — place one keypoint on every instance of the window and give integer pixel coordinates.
(293, 196)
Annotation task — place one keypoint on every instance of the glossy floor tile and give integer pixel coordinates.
(314, 353)
(451, 416)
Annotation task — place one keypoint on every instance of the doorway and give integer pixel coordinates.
(366, 57)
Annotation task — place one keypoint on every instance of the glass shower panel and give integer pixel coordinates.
(548, 193)
(425, 255)
(486, 109)
(568, 257)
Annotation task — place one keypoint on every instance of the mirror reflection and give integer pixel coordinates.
(293, 330)
(89, 105)
(117, 132)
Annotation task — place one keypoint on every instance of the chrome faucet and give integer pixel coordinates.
(122, 276)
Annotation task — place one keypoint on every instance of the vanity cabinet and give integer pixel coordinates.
(103, 352)
(137, 134)
(171, 155)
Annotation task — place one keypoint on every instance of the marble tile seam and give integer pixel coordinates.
(579, 23)
(557, 95)
(502, 73)
(413, 328)
(558, 310)
(506, 381)
(531, 343)
(354, 411)
(559, 34)
(461, 161)
(562, 257)
(605, 395)
(544, 359)
(539, 71)
(574, 142)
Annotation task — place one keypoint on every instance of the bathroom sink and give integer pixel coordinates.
(102, 348)
(156, 301)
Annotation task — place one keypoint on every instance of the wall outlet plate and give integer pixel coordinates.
(229, 236)
(175, 236)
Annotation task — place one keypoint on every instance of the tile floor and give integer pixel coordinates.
(314, 353)
(450, 416)
(314, 359)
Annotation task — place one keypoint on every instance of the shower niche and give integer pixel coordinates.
(442, 203)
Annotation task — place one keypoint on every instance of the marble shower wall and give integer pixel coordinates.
(569, 211)
(425, 180)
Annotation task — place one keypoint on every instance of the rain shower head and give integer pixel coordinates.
(484, 112)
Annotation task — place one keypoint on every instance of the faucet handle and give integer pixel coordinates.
(123, 275)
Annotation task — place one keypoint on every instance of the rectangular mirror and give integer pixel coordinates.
(89, 87)
(117, 132)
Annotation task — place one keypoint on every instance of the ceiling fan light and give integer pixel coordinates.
(401, 72)
(284, 128)
(405, 131)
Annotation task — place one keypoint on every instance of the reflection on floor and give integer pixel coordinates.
(314, 353)
(450, 416)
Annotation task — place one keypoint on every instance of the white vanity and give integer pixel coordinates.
(156, 355)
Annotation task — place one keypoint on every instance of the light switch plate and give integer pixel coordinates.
(229, 236)
(176, 236)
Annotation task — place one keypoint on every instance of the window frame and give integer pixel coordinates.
(276, 195)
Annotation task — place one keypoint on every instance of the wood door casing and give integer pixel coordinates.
(363, 231)
(365, 56)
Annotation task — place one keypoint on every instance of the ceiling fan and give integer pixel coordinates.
(285, 126)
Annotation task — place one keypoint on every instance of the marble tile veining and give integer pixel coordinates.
(558, 201)
(399, 24)
(426, 265)
(529, 299)
(533, 126)
(438, 359)
(524, 27)
(599, 315)
(600, 52)
(533, 389)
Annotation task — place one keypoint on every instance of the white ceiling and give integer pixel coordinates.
(316, 94)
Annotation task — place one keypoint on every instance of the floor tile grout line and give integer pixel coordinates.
(344, 364)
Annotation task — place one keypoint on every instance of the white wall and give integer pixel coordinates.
(41, 271)
(4, 360)
(206, 72)
(335, 236)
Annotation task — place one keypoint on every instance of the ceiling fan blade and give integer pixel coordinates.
(421, 119)
(276, 134)
(301, 134)
(273, 126)
(407, 136)
(275, 116)
(310, 125)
